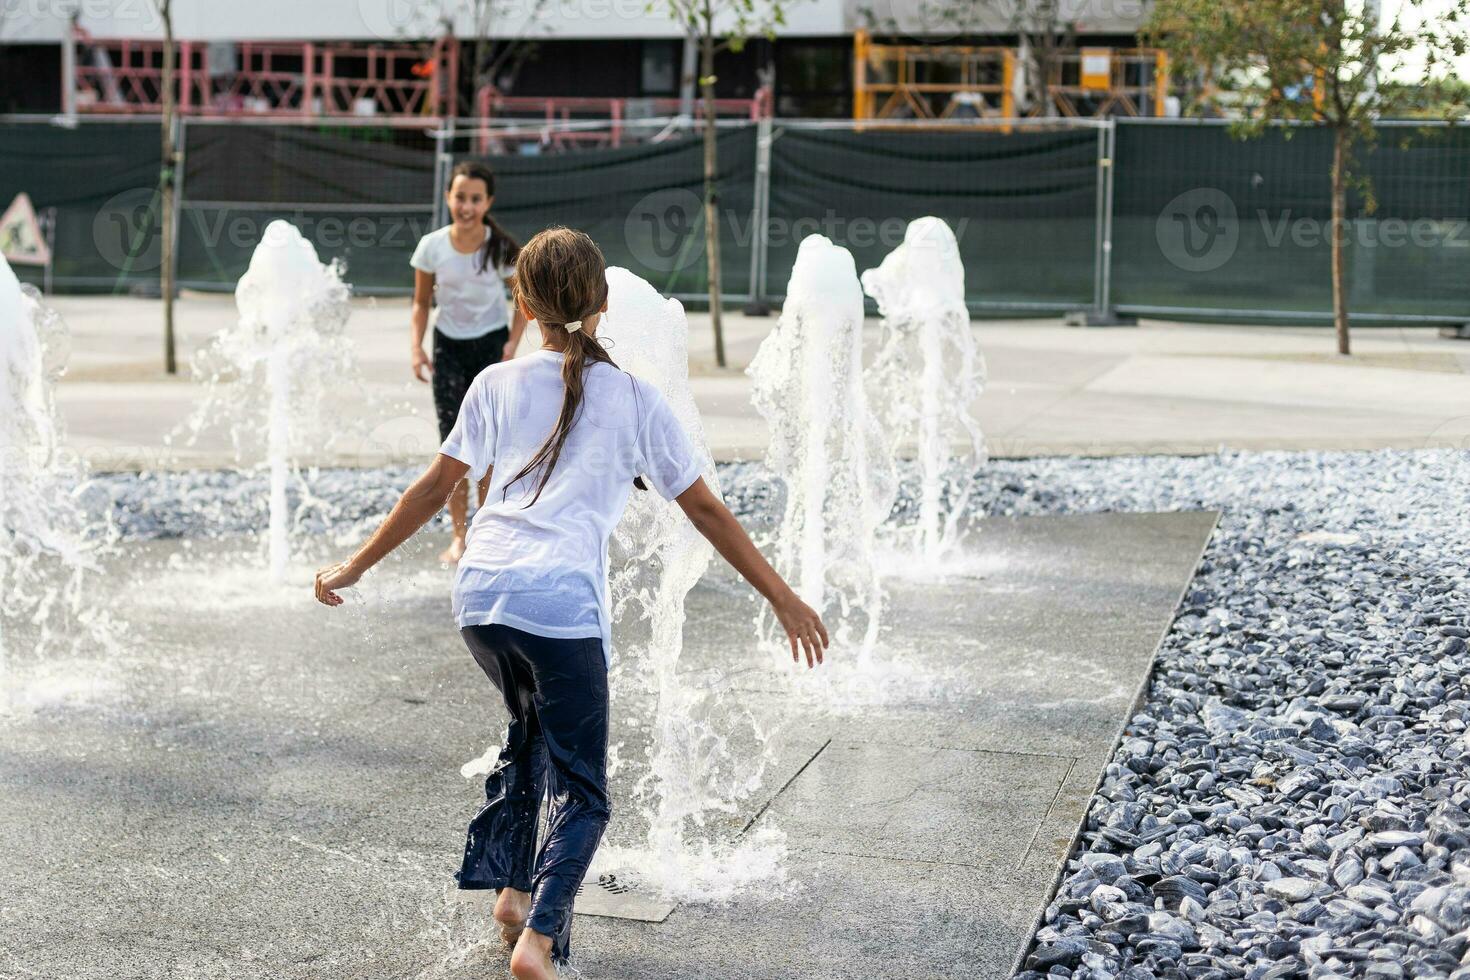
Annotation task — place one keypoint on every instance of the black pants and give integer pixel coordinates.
(556, 693)
(456, 364)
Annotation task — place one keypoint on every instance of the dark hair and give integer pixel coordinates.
(500, 246)
(561, 276)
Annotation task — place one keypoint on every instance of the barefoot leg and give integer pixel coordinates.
(511, 909)
(532, 957)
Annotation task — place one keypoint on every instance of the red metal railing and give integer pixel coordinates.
(402, 83)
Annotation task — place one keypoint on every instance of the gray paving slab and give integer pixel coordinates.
(257, 787)
(1053, 390)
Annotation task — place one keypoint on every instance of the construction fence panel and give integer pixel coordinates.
(102, 182)
(362, 195)
(1207, 224)
(1023, 204)
(643, 204)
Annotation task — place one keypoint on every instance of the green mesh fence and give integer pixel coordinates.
(102, 181)
(1023, 205)
(1202, 224)
(1208, 223)
(643, 205)
(362, 195)
(366, 201)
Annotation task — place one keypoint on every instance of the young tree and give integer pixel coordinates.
(166, 181)
(1319, 62)
(719, 25)
(492, 62)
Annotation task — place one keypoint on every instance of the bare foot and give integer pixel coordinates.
(532, 957)
(511, 909)
(452, 554)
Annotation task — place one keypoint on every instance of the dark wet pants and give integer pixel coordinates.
(556, 693)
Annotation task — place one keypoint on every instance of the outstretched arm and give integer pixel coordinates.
(713, 519)
(418, 505)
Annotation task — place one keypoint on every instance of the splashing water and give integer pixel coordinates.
(275, 373)
(927, 375)
(46, 545)
(657, 558)
(826, 448)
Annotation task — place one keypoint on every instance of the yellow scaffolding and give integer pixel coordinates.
(917, 81)
(945, 82)
(1109, 82)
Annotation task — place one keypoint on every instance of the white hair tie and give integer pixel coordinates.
(572, 327)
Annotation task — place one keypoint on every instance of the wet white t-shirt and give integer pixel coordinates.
(543, 568)
(471, 303)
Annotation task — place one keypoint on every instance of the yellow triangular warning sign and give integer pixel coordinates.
(21, 241)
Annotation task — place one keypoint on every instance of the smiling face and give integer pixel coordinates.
(468, 199)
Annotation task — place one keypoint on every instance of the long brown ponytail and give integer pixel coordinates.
(561, 277)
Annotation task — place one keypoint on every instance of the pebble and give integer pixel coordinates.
(1298, 776)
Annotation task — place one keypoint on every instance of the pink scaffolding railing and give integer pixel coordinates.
(390, 83)
(564, 123)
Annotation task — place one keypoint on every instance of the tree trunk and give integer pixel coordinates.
(711, 170)
(166, 188)
(1339, 236)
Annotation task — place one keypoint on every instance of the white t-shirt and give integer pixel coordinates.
(471, 303)
(543, 568)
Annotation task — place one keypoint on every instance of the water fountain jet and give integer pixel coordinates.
(927, 375)
(826, 448)
(272, 376)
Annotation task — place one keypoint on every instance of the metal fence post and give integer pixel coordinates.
(1099, 221)
(439, 218)
(1102, 313)
(1111, 170)
(760, 211)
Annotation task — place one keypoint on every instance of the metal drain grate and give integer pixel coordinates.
(614, 899)
(607, 897)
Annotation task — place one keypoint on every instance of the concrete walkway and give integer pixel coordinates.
(1054, 390)
(257, 787)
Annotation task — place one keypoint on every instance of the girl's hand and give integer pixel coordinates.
(339, 576)
(803, 627)
(422, 365)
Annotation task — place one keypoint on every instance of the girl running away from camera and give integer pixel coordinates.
(562, 435)
(463, 268)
